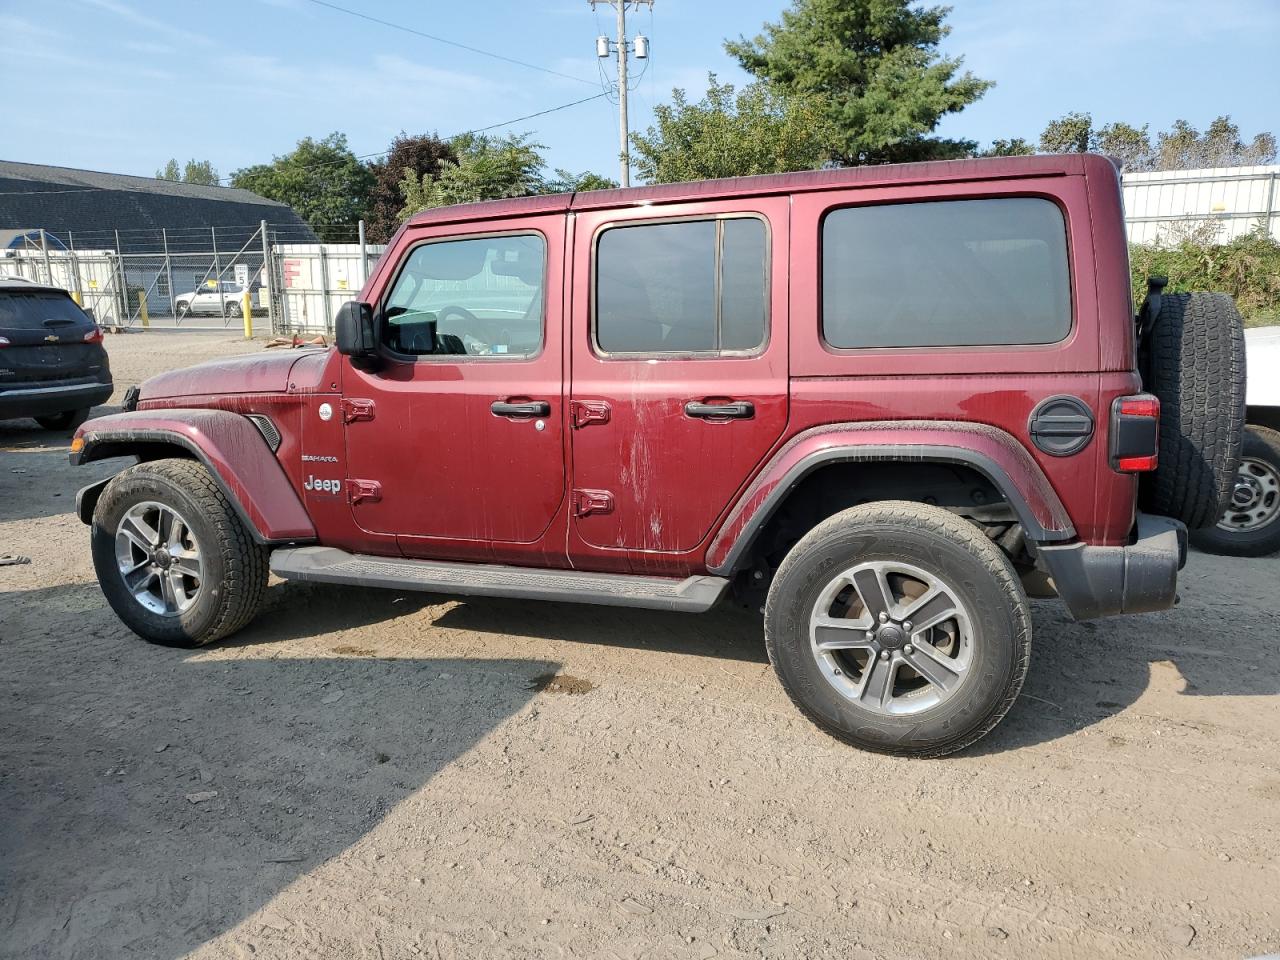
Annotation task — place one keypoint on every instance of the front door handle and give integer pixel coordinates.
(528, 408)
(733, 410)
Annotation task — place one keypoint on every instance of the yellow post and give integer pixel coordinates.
(142, 310)
(75, 295)
(246, 306)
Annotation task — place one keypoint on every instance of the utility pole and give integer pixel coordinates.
(641, 46)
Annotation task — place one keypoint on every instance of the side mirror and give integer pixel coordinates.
(354, 331)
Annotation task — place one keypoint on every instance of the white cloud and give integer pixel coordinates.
(126, 12)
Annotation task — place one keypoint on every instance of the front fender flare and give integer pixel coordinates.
(228, 444)
(991, 451)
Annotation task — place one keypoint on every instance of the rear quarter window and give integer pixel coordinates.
(38, 309)
(945, 274)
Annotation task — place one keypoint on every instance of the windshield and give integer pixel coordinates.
(39, 309)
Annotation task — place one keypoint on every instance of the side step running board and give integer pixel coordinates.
(330, 565)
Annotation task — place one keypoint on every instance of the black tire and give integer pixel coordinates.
(1259, 466)
(181, 308)
(232, 310)
(934, 541)
(234, 574)
(67, 420)
(1195, 364)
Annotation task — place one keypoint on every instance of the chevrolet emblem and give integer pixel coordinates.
(51, 338)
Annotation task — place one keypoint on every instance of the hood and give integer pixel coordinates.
(267, 372)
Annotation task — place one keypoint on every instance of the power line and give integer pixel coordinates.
(452, 43)
(492, 126)
(326, 163)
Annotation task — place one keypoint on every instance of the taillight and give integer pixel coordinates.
(1135, 433)
(94, 335)
(4, 341)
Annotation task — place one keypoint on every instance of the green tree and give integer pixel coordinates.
(195, 171)
(566, 181)
(1129, 144)
(200, 171)
(487, 168)
(726, 134)
(1015, 147)
(420, 155)
(1072, 133)
(320, 179)
(874, 68)
(1185, 148)
(1182, 147)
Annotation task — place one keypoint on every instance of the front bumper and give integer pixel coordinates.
(43, 401)
(1104, 581)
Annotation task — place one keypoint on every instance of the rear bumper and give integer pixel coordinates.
(41, 401)
(1104, 581)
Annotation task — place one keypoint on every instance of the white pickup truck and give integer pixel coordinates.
(1250, 527)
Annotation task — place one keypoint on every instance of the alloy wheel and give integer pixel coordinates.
(892, 638)
(159, 558)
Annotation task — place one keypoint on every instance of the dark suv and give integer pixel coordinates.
(52, 364)
(880, 405)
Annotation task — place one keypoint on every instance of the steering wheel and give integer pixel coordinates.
(489, 330)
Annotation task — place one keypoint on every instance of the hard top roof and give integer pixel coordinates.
(935, 171)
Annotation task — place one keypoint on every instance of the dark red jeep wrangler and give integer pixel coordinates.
(879, 404)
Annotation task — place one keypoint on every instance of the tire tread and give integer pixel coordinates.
(245, 582)
(1197, 367)
(936, 522)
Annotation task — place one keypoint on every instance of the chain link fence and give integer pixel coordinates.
(197, 278)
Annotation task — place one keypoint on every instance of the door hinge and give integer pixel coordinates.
(353, 410)
(587, 412)
(361, 491)
(587, 502)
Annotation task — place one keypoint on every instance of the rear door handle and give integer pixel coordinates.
(528, 408)
(734, 410)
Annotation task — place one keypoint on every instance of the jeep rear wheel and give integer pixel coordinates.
(173, 558)
(1195, 364)
(1250, 525)
(898, 627)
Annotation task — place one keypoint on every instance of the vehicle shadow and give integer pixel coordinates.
(1081, 674)
(1084, 673)
(151, 799)
(36, 480)
(727, 632)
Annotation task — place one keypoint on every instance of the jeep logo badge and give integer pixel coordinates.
(326, 412)
(322, 486)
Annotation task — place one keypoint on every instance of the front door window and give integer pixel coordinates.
(478, 297)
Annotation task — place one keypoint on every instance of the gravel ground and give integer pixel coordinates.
(367, 774)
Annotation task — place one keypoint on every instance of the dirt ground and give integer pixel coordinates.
(362, 773)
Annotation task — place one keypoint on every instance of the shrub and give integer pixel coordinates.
(1247, 267)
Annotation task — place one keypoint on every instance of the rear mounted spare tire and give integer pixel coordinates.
(1194, 362)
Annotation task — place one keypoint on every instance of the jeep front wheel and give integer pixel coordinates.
(898, 627)
(174, 560)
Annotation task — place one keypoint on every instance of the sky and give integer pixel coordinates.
(123, 85)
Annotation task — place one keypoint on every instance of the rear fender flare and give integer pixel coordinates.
(992, 452)
(228, 444)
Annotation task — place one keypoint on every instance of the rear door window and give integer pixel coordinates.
(946, 273)
(687, 286)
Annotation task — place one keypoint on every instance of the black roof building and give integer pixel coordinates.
(85, 209)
